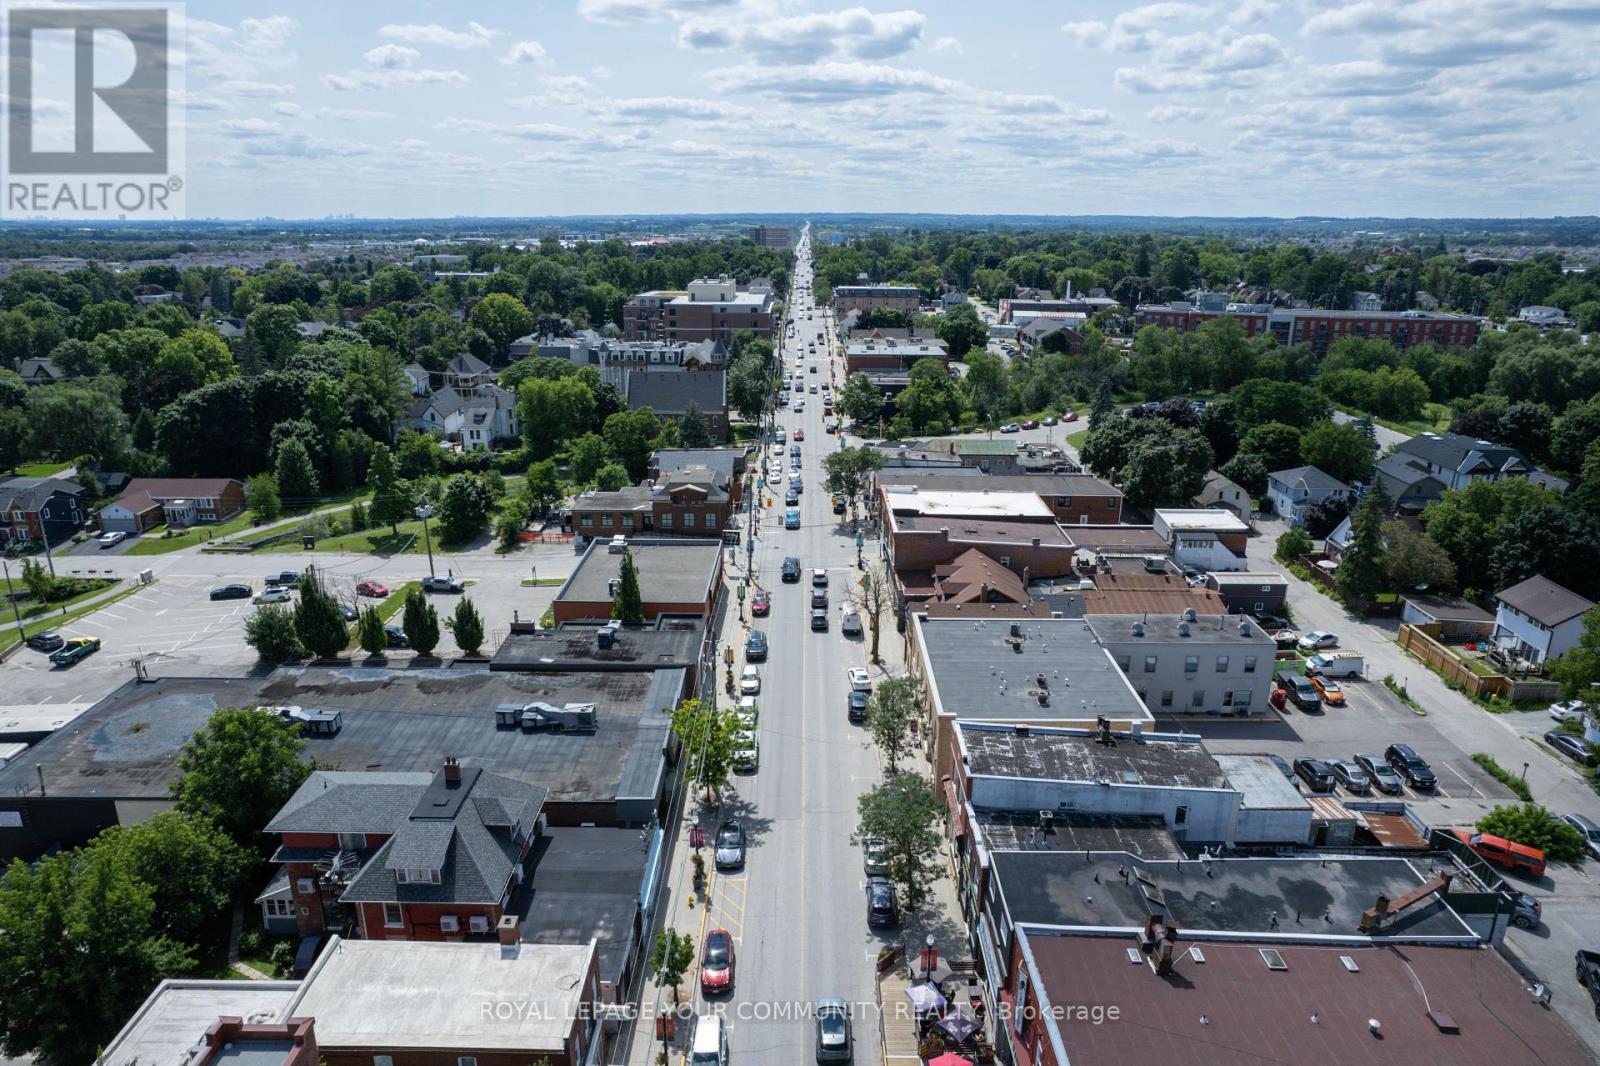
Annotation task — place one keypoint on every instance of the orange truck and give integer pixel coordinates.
(1503, 852)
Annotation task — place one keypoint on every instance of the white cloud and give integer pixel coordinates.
(1172, 113)
(389, 79)
(600, 72)
(410, 144)
(391, 56)
(624, 12)
(810, 38)
(948, 44)
(830, 81)
(660, 108)
(352, 114)
(1135, 30)
(286, 108)
(256, 88)
(525, 52)
(249, 127)
(476, 36)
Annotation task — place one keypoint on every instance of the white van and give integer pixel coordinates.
(850, 622)
(1337, 664)
(710, 1047)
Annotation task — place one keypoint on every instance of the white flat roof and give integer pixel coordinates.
(38, 717)
(1210, 519)
(175, 1017)
(983, 504)
(1261, 785)
(406, 994)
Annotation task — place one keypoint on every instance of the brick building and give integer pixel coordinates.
(177, 501)
(1318, 328)
(906, 298)
(709, 309)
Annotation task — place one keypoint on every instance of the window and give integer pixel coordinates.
(711, 521)
(352, 841)
(666, 519)
(688, 520)
(1149, 664)
(1222, 664)
(1122, 662)
(19, 516)
(1249, 664)
(627, 521)
(1166, 697)
(392, 918)
(1005, 560)
(305, 886)
(1181, 815)
(1241, 697)
(605, 521)
(586, 521)
(1199, 698)
(383, 1060)
(1227, 698)
(1191, 664)
(466, 1060)
(278, 908)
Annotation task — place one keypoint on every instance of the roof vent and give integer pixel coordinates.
(1188, 614)
(1134, 956)
(1183, 629)
(1443, 1021)
(1244, 629)
(1138, 629)
(1273, 959)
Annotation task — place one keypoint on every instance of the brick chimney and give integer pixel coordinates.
(452, 770)
(510, 935)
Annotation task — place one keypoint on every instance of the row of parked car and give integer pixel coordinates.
(1400, 765)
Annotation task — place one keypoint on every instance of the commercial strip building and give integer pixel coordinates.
(709, 309)
(1189, 663)
(906, 298)
(677, 577)
(1318, 328)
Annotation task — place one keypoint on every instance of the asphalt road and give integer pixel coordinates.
(797, 911)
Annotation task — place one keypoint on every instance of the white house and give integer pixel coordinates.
(1295, 489)
(417, 378)
(1538, 619)
(1543, 316)
(1203, 538)
(1368, 302)
(477, 420)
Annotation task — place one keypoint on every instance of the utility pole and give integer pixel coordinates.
(425, 512)
(10, 595)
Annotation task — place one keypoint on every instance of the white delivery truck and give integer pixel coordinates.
(1337, 664)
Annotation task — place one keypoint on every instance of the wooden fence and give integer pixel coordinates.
(1422, 641)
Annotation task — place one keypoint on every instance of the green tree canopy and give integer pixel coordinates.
(903, 814)
(239, 769)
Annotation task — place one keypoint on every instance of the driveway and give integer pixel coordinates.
(1386, 437)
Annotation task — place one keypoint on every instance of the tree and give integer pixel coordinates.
(389, 503)
(1559, 543)
(1293, 544)
(1278, 445)
(270, 630)
(671, 958)
(846, 470)
(708, 739)
(1340, 450)
(190, 865)
(1468, 523)
(317, 621)
(1322, 516)
(543, 487)
(873, 596)
(370, 633)
(503, 318)
(239, 769)
(629, 436)
(466, 625)
(903, 814)
(584, 456)
(262, 492)
(962, 330)
(1246, 470)
(15, 434)
(464, 508)
(1535, 826)
(986, 386)
(1360, 575)
(1102, 405)
(1166, 469)
(859, 399)
(69, 420)
(891, 711)
(295, 474)
(41, 584)
(417, 455)
(273, 331)
(694, 430)
(552, 410)
(420, 622)
(628, 604)
(1579, 669)
(611, 477)
(1412, 561)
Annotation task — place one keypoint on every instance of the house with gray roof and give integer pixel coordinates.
(39, 371)
(669, 394)
(473, 419)
(1295, 489)
(1427, 464)
(40, 510)
(1537, 619)
(405, 856)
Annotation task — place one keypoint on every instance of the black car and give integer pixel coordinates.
(231, 592)
(791, 569)
(1570, 745)
(755, 646)
(46, 641)
(729, 853)
(819, 620)
(882, 908)
(1271, 622)
(1409, 765)
(349, 613)
(1315, 773)
(791, 499)
(857, 705)
(395, 635)
(1283, 767)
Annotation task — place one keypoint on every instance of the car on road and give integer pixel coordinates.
(47, 641)
(716, 963)
(819, 598)
(838, 504)
(860, 679)
(1049, 420)
(1315, 773)
(755, 646)
(729, 851)
(791, 499)
(1568, 710)
(819, 578)
(376, 589)
(750, 682)
(1590, 831)
(856, 706)
(1351, 776)
(1503, 852)
(111, 540)
(1070, 416)
(1380, 773)
(1404, 760)
(394, 634)
(796, 484)
(833, 1030)
(275, 594)
(442, 584)
(1328, 689)
(819, 620)
(1572, 746)
(231, 592)
(1030, 423)
(1010, 427)
(791, 568)
(799, 434)
(1317, 638)
(883, 910)
(791, 518)
(761, 604)
(75, 649)
(746, 752)
(799, 406)
(874, 856)
(748, 712)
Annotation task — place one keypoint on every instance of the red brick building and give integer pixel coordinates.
(709, 309)
(1320, 328)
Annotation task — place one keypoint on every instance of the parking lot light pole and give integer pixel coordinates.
(425, 512)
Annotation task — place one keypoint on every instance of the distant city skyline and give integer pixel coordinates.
(422, 109)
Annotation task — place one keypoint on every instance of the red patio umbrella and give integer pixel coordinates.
(949, 1058)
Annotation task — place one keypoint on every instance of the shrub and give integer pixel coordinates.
(1504, 776)
(250, 942)
(1536, 827)
(1293, 544)
(282, 957)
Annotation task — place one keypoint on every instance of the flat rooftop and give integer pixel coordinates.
(670, 571)
(408, 994)
(1247, 577)
(127, 745)
(32, 721)
(1042, 484)
(1283, 897)
(1207, 519)
(1202, 629)
(175, 1017)
(973, 503)
(585, 886)
(1231, 1010)
(1260, 784)
(1142, 835)
(1118, 540)
(574, 646)
(1007, 531)
(1076, 755)
(980, 672)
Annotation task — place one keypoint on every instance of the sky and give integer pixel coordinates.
(1249, 107)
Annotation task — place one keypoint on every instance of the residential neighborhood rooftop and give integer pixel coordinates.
(1201, 519)
(1544, 601)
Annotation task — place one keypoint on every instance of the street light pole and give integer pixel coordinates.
(425, 512)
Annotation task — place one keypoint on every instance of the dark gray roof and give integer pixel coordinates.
(670, 643)
(631, 498)
(1144, 835)
(671, 392)
(671, 570)
(1447, 608)
(349, 801)
(586, 884)
(31, 493)
(1544, 601)
(1454, 451)
(445, 400)
(724, 461)
(1059, 755)
(1314, 479)
(466, 363)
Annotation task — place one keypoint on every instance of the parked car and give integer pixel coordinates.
(860, 680)
(819, 620)
(1315, 773)
(750, 682)
(1379, 772)
(286, 578)
(1589, 973)
(819, 578)
(716, 963)
(231, 592)
(791, 569)
(1572, 746)
(729, 851)
(1010, 427)
(791, 498)
(375, 589)
(74, 650)
(348, 612)
(1567, 710)
(442, 584)
(746, 752)
(874, 857)
(748, 712)
(1070, 416)
(1528, 913)
(1298, 688)
(1050, 420)
(275, 594)
(1030, 423)
(1336, 664)
(1328, 689)
(1271, 623)
(1317, 638)
(1411, 766)
(755, 646)
(1590, 831)
(46, 641)
(1351, 776)
(799, 434)
(850, 621)
(856, 706)
(819, 598)
(111, 540)
(1503, 852)
(761, 604)
(394, 635)
(833, 1030)
(883, 910)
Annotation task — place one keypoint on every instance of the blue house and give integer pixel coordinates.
(1292, 491)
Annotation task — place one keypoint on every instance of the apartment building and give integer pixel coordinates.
(770, 236)
(905, 298)
(1319, 328)
(709, 309)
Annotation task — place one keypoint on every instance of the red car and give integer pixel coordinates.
(799, 434)
(375, 589)
(1030, 423)
(761, 604)
(1070, 416)
(716, 962)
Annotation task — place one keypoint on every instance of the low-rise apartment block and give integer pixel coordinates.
(709, 309)
(1318, 328)
(906, 298)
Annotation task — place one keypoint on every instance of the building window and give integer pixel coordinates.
(1149, 664)
(1249, 664)
(279, 908)
(383, 1060)
(605, 521)
(1166, 697)
(688, 520)
(666, 520)
(1181, 815)
(1241, 697)
(586, 521)
(392, 918)
(1191, 664)
(466, 1060)
(1227, 698)
(627, 521)
(1123, 662)
(711, 521)
(305, 886)
(352, 841)
(1222, 664)
(449, 923)
(1199, 698)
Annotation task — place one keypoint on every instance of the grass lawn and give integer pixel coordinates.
(55, 619)
(379, 541)
(1076, 439)
(1435, 419)
(41, 469)
(1477, 665)
(28, 608)
(543, 582)
(158, 543)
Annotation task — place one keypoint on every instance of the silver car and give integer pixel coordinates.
(833, 1030)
